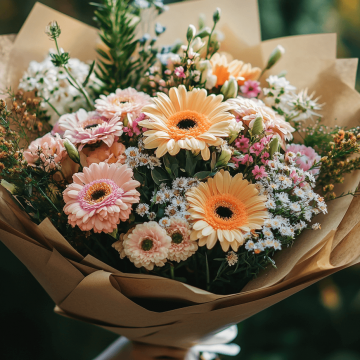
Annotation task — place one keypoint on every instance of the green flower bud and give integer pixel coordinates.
(230, 88)
(224, 157)
(191, 32)
(72, 151)
(216, 15)
(274, 146)
(258, 126)
(204, 32)
(53, 30)
(275, 56)
(8, 186)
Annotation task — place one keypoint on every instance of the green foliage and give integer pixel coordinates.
(118, 67)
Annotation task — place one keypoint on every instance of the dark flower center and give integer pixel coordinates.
(177, 238)
(186, 124)
(90, 126)
(98, 194)
(224, 212)
(147, 244)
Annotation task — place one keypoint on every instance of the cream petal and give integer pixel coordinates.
(205, 153)
(199, 225)
(208, 230)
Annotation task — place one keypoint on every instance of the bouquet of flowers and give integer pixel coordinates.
(166, 192)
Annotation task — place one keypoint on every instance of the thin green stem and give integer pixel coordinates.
(52, 106)
(172, 271)
(207, 273)
(208, 44)
(78, 86)
(47, 198)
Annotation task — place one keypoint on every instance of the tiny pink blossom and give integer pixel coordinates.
(257, 148)
(247, 158)
(242, 143)
(179, 72)
(251, 89)
(168, 72)
(266, 139)
(307, 159)
(236, 161)
(259, 172)
(265, 157)
(296, 178)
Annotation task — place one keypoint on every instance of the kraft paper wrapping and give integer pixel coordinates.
(89, 290)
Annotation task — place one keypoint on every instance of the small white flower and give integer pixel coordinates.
(267, 233)
(159, 197)
(152, 216)
(316, 226)
(295, 207)
(277, 245)
(270, 204)
(283, 197)
(231, 258)
(250, 245)
(142, 209)
(164, 222)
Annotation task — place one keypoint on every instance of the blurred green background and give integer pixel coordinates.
(319, 323)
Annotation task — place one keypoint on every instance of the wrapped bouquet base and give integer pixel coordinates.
(154, 310)
(88, 290)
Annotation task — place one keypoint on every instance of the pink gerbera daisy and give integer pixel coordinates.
(128, 102)
(181, 246)
(85, 127)
(100, 197)
(145, 245)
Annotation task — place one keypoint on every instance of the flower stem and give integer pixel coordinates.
(172, 271)
(76, 85)
(207, 273)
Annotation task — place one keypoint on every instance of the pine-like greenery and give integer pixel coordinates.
(118, 67)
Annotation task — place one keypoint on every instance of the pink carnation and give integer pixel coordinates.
(307, 159)
(128, 102)
(100, 197)
(249, 109)
(47, 152)
(251, 88)
(85, 128)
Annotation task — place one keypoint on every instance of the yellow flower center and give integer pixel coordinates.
(97, 192)
(225, 212)
(187, 123)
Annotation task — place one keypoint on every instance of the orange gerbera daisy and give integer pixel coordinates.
(225, 208)
(223, 69)
(186, 120)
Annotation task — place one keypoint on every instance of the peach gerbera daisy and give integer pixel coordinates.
(127, 102)
(100, 197)
(225, 208)
(145, 245)
(186, 120)
(223, 69)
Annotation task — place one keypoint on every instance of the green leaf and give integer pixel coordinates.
(202, 174)
(191, 161)
(159, 175)
(258, 127)
(89, 74)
